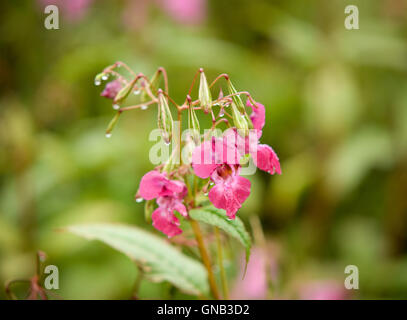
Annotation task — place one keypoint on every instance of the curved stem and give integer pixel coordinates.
(193, 81)
(164, 73)
(137, 106)
(137, 283)
(223, 75)
(205, 258)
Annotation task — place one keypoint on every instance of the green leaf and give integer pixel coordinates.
(161, 260)
(218, 218)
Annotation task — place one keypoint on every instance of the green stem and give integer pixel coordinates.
(221, 267)
(205, 258)
(137, 283)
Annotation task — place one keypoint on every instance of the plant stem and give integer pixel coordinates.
(137, 282)
(221, 267)
(205, 258)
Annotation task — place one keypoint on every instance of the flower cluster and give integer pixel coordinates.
(169, 195)
(217, 159)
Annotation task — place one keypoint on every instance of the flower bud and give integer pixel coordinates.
(124, 92)
(165, 122)
(205, 97)
(111, 89)
(239, 121)
(236, 98)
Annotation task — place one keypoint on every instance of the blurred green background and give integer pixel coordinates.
(336, 104)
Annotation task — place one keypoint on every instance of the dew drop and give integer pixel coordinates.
(221, 113)
(138, 200)
(167, 143)
(108, 135)
(136, 92)
(144, 107)
(105, 77)
(97, 82)
(206, 193)
(116, 107)
(211, 184)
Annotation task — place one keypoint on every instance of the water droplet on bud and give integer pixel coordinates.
(105, 77)
(167, 143)
(144, 107)
(221, 113)
(97, 82)
(211, 184)
(138, 200)
(116, 107)
(108, 135)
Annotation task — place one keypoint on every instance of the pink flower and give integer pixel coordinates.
(185, 11)
(219, 160)
(111, 89)
(266, 159)
(263, 155)
(210, 154)
(163, 217)
(230, 190)
(155, 184)
(169, 195)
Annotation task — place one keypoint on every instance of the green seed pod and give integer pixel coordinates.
(112, 124)
(239, 121)
(164, 121)
(193, 124)
(124, 92)
(236, 98)
(153, 85)
(205, 97)
(249, 121)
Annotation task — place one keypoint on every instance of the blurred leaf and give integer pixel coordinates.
(162, 261)
(332, 100)
(368, 148)
(218, 218)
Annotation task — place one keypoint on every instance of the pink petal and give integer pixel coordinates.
(203, 160)
(151, 185)
(233, 147)
(172, 203)
(266, 159)
(175, 186)
(258, 116)
(166, 222)
(230, 194)
(178, 206)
